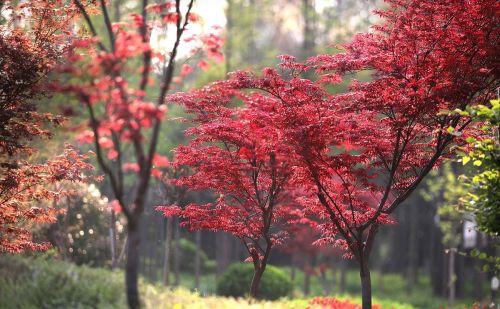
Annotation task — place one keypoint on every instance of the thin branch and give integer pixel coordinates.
(107, 22)
(146, 60)
(86, 16)
(100, 157)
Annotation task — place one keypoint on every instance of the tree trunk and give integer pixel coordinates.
(364, 268)
(412, 250)
(479, 276)
(343, 276)
(197, 261)
(325, 282)
(132, 264)
(257, 275)
(112, 236)
(222, 252)
(366, 284)
(166, 258)
(308, 45)
(228, 44)
(334, 275)
(177, 253)
(307, 281)
(451, 277)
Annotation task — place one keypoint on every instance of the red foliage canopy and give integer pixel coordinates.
(120, 111)
(28, 54)
(237, 155)
(22, 187)
(363, 152)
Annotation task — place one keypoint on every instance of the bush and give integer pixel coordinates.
(235, 281)
(81, 234)
(188, 256)
(39, 283)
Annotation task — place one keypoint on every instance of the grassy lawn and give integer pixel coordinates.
(41, 283)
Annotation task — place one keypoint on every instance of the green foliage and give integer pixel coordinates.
(444, 186)
(235, 281)
(81, 234)
(483, 196)
(40, 283)
(491, 263)
(477, 191)
(45, 283)
(188, 255)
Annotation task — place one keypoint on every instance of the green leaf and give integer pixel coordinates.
(474, 253)
(465, 160)
(478, 162)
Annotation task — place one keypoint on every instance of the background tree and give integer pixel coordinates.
(30, 45)
(122, 114)
(450, 218)
(483, 198)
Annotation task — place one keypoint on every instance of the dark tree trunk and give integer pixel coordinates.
(307, 282)
(293, 273)
(460, 275)
(132, 265)
(479, 276)
(197, 261)
(222, 252)
(334, 276)
(412, 250)
(363, 256)
(112, 236)
(325, 282)
(366, 284)
(257, 275)
(177, 253)
(451, 277)
(167, 253)
(343, 276)
(308, 44)
(228, 44)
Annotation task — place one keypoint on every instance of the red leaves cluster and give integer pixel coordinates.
(27, 57)
(334, 303)
(235, 154)
(21, 188)
(120, 112)
(29, 52)
(355, 156)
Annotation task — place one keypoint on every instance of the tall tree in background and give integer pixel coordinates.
(123, 115)
(309, 16)
(30, 44)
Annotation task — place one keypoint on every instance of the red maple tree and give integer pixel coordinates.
(31, 42)
(235, 154)
(362, 153)
(24, 187)
(125, 114)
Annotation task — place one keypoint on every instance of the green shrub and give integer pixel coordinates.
(39, 283)
(235, 281)
(188, 256)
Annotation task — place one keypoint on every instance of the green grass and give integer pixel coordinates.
(48, 283)
(387, 286)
